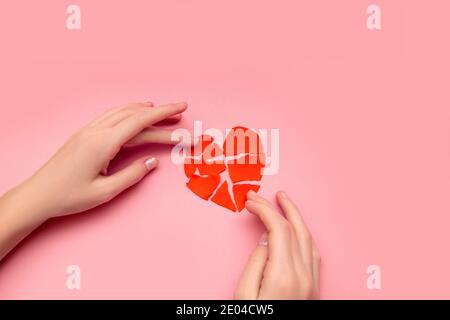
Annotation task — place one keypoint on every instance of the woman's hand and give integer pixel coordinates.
(285, 264)
(75, 178)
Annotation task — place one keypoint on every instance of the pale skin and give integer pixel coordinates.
(286, 262)
(285, 265)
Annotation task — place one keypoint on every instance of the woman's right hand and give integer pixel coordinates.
(285, 264)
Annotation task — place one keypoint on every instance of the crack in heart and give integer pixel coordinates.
(225, 175)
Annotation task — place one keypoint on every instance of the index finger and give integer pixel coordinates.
(278, 229)
(133, 125)
(300, 229)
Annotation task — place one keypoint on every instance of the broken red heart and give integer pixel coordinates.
(225, 174)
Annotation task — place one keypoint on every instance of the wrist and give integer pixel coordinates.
(24, 205)
(18, 218)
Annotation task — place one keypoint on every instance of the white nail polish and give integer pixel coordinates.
(264, 241)
(150, 163)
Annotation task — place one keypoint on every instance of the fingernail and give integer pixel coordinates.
(282, 195)
(151, 163)
(251, 194)
(264, 241)
(247, 203)
(181, 104)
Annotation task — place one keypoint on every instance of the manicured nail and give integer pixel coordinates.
(181, 104)
(248, 203)
(264, 241)
(251, 194)
(151, 163)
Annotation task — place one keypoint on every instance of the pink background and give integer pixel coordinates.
(364, 121)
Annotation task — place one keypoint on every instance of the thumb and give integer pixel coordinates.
(250, 282)
(130, 175)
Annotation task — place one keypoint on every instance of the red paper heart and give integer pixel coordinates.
(225, 174)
